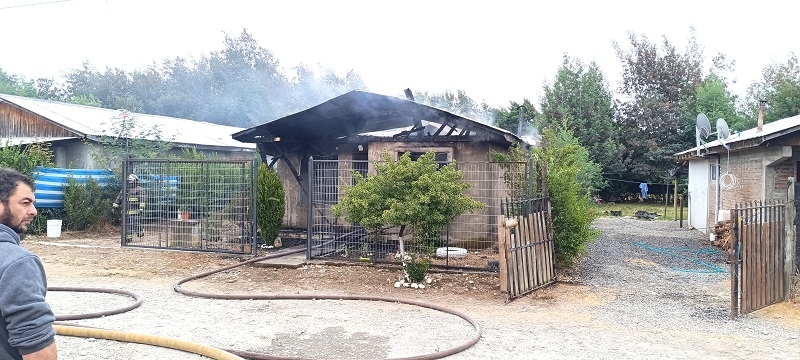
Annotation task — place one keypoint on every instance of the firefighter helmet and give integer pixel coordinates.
(133, 177)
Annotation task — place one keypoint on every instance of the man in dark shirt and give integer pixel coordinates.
(26, 320)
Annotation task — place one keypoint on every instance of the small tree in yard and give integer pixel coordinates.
(271, 203)
(569, 175)
(125, 136)
(408, 194)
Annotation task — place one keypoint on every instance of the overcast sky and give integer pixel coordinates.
(497, 50)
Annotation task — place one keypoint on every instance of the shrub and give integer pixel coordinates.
(416, 268)
(572, 218)
(408, 194)
(25, 159)
(86, 205)
(271, 203)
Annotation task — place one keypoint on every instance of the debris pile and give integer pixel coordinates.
(723, 236)
(641, 214)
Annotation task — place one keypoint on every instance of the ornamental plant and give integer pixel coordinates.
(407, 194)
(271, 203)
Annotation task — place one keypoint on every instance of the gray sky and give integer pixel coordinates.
(496, 50)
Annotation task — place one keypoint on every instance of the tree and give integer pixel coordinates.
(657, 106)
(568, 172)
(271, 203)
(508, 118)
(111, 87)
(408, 194)
(579, 100)
(780, 87)
(458, 103)
(16, 85)
(716, 102)
(127, 137)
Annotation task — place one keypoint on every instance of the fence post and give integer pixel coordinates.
(788, 264)
(734, 260)
(254, 206)
(124, 203)
(502, 249)
(310, 213)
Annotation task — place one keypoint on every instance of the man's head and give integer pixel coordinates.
(16, 200)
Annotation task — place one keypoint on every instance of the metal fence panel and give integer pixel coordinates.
(333, 238)
(202, 205)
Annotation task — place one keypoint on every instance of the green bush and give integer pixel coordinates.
(86, 205)
(568, 162)
(407, 193)
(26, 158)
(416, 268)
(271, 204)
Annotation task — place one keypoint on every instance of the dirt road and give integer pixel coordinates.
(622, 301)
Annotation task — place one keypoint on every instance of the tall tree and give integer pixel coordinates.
(579, 100)
(716, 102)
(111, 87)
(657, 104)
(457, 103)
(509, 118)
(780, 87)
(16, 85)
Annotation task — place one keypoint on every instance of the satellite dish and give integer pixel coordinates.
(723, 132)
(722, 129)
(703, 125)
(703, 131)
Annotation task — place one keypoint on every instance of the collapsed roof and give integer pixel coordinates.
(357, 115)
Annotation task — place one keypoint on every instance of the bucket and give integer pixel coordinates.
(53, 228)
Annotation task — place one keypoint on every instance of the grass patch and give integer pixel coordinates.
(630, 209)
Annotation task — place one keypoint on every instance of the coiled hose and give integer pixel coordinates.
(214, 353)
(64, 329)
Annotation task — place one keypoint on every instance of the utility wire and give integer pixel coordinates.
(32, 4)
(637, 182)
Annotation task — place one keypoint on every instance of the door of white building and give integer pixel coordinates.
(699, 179)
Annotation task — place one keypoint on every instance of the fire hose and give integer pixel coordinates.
(68, 330)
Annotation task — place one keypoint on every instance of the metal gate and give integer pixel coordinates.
(757, 263)
(199, 205)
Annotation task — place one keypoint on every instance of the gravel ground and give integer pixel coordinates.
(645, 290)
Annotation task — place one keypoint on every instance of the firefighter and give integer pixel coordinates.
(136, 203)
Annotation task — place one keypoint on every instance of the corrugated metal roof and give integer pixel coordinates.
(30, 140)
(751, 137)
(95, 122)
(359, 112)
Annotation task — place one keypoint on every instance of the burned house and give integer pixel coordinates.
(351, 132)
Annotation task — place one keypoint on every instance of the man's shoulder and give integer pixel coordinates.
(12, 253)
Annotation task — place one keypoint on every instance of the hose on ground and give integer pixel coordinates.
(137, 302)
(256, 356)
(214, 353)
(147, 339)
